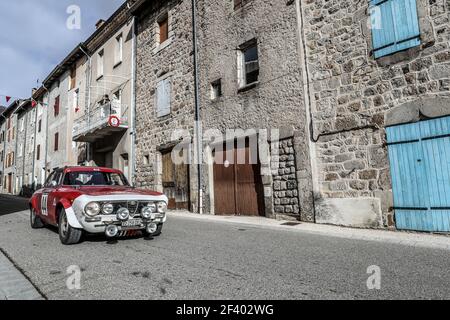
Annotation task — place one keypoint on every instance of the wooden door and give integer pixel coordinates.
(176, 182)
(10, 184)
(238, 187)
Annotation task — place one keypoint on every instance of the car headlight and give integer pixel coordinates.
(148, 213)
(107, 208)
(123, 214)
(162, 207)
(92, 209)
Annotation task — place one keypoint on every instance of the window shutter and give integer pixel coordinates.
(395, 26)
(407, 24)
(163, 98)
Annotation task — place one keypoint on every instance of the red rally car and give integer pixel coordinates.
(96, 200)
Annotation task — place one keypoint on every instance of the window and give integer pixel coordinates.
(73, 78)
(395, 26)
(146, 160)
(163, 24)
(22, 124)
(40, 125)
(76, 100)
(216, 89)
(56, 141)
(95, 178)
(100, 59)
(163, 98)
(20, 150)
(56, 106)
(118, 52)
(38, 152)
(248, 64)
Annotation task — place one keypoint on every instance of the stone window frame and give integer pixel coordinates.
(158, 47)
(426, 36)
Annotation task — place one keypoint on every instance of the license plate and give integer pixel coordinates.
(135, 223)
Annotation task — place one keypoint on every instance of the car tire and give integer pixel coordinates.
(67, 234)
(35, 221)
(157, 233)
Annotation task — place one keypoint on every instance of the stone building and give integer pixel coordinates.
(250, 80)
(364, 83)
(164, 97)
(26, 136)
(266, 99)
(106, 94)
(8, 122)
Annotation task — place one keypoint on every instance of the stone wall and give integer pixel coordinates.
(353, 94)
(174, 60)
(285, 184)
(275, 102)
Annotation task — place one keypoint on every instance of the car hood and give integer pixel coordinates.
(100, 191)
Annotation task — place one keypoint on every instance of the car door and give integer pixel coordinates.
(49, 197)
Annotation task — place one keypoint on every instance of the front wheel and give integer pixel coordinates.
(67, 234)
(35, 221)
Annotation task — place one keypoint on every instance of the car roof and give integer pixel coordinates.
(91, 169)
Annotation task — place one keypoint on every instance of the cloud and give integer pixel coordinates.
(34, 38)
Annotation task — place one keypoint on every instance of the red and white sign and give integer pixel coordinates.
(114, 121)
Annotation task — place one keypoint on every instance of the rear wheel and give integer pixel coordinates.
(67, 234)
(35, 221)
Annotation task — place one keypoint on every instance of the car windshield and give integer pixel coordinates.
(95, 178)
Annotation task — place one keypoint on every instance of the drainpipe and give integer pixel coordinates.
(133, 106)
(4, 153)
(198, 128)
(88, 107)
(24, 148)
(307, 100)
(16, 138)
(46, 131)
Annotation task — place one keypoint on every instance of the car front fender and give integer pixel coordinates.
(70, 214)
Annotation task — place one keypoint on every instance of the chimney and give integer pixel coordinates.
(99, 23)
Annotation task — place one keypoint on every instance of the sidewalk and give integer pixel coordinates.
(13, 284)
(422, 240)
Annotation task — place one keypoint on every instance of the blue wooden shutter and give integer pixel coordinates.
(399, 26)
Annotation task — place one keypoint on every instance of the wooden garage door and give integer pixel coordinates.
(238, 188)
(175, 181)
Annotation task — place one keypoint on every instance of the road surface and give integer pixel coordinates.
(196, 259)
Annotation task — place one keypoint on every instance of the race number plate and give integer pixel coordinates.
(134, 223)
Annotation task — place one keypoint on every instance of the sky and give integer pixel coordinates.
(34, 38)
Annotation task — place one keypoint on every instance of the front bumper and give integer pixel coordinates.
(100, 223)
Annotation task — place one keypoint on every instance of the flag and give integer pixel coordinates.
(7, 99)
(33, 103)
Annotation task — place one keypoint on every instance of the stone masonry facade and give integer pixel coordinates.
(172, 61)
(354, 96)
(285, 184)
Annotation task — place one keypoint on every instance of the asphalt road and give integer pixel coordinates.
(195, 259)
(10, 204)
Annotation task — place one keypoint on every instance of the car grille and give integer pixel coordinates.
(134, 207)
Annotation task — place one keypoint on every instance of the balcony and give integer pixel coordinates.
(97, 125)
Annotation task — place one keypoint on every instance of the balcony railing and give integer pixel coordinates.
(98, 119)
